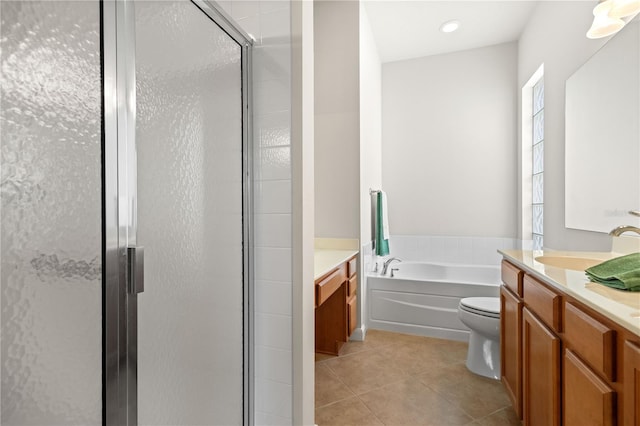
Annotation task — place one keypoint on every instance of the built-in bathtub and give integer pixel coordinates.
(423, 298)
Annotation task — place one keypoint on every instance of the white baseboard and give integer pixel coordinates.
(358, 334)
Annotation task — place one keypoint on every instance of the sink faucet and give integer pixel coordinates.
(386, 264)
(621, 229)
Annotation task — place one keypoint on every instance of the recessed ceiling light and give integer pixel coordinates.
(450, 26)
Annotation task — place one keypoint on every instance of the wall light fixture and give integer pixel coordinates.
(624, 8)
(603, 24)
(450, 26)
(608, 14)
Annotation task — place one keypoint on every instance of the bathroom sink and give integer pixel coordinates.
(569, 262)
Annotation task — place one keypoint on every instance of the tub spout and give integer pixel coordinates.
(386, 264)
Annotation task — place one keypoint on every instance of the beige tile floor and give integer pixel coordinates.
(397, 379)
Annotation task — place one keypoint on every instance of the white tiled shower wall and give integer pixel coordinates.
(269, 23)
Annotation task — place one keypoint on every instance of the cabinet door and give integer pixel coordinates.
(587, 399)
(511, 346)
(352, 310)
(541, 382)
(631, 405)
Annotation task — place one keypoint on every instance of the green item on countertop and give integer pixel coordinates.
(622, 272)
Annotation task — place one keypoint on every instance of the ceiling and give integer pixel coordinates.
(410, 29)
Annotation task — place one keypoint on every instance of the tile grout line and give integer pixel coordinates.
(495, 412)
(335, 402)
(369, 408)
(405, 375)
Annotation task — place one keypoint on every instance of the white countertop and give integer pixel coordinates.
(623, 307)
(326, 259)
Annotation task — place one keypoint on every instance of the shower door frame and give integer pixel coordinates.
(119, 303)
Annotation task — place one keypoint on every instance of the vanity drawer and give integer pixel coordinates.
(352, 267)
(328, 285)
(512, 277)
(543, 301)
(353, 285)
(592, 340)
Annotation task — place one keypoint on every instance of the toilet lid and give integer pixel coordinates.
(487, 306)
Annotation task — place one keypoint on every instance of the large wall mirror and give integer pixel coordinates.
(602, 147)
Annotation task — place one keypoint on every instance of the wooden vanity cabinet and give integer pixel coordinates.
(578, 366)
(352, 299)
(336, 307)
(587, 399)
(511, 334)
(331, 311)
(631, 402)
(541, 372)
(589, 368)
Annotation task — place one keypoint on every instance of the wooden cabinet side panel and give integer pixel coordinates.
(511, 346)
(331, 322)
(631, 402)
(541, 372)
(587, 400)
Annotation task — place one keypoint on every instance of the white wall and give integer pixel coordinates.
(370, 147)
(555, 36)
(302, 142)
(269, 22)
(449, 143)
(337, 119)
(370, 123)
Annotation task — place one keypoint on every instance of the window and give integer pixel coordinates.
(537, 178)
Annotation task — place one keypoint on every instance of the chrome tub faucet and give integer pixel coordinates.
(386, 264)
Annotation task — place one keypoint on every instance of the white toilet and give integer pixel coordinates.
(482, 316)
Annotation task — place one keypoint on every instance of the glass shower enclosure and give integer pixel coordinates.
(126, 214)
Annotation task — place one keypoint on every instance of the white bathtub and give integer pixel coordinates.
(423, 297)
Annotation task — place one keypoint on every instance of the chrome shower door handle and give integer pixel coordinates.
(136, 269)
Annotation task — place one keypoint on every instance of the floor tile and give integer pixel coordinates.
(478, 396)
(409, 402)
(346, 412)
(505, 417)
(365, 371)
(376, 339)
(398, 379)
(323, 357)
(329, 388)
(416, 356)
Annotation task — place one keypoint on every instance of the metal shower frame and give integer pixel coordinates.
(119, 305)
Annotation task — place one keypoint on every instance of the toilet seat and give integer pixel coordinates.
(484, 306)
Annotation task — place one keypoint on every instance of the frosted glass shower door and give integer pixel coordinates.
(51, 211)
(189, 137)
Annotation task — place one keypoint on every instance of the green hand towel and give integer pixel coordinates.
(622, 272)
(382, 244)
